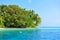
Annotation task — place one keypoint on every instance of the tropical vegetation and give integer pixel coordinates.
(13, 16)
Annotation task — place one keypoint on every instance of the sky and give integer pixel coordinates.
(48, 10)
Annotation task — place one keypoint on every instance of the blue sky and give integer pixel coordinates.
(48, 10)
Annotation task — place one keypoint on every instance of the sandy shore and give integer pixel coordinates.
(18, 28)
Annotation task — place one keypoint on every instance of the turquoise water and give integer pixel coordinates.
(30, 34)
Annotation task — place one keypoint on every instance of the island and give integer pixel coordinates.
(13, 16)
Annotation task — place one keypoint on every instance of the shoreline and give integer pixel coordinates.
(18, 28)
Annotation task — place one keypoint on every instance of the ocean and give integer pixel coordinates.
(30, 34)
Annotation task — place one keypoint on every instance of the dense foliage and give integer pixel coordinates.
(12, 16)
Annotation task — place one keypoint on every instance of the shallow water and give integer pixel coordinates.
(35, 34)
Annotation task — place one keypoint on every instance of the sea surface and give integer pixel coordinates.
(30, 34)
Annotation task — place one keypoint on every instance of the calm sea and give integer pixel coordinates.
(30, 34)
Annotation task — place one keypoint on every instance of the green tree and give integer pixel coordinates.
(17, 17)
(1, 22)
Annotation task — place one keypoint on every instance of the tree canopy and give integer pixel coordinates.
(13, 16)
